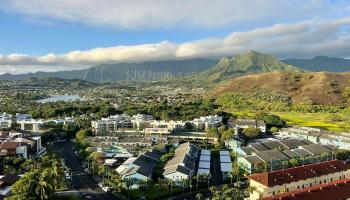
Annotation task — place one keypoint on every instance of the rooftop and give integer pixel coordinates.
(281, 177)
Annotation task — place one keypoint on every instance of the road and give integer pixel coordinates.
(81, 181)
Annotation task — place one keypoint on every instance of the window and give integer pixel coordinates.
(331, 179)
(273, 193)
(310, 184)
(302, 186)
(287, 189)
(298, 187)
(320, 182)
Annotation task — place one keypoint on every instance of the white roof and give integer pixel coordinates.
(110, 161)
(203, 171)
(226, 167)
(225, 159)
(122, 168)
(205, 152)
(222, 153)
(205, 158)
(204, 165)
(129, 160)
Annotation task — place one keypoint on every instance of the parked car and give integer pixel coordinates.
(104, 188)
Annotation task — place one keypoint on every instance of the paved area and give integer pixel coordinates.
(81, 181)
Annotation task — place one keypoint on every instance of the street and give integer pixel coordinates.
(81, 181)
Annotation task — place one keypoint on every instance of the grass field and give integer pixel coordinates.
(327, 121)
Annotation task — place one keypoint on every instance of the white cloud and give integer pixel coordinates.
(302, 39)
(140, 14)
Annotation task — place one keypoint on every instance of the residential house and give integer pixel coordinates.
(183, 164)
(141, 168)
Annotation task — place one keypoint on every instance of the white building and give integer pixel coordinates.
(5, 121)
(240, 124)
(112, 123)
(206, 122)
(20, 117)
(140, 120)
(31, 125)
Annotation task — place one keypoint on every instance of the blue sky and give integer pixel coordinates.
(52, 35)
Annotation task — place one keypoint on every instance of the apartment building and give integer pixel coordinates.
(270, 184)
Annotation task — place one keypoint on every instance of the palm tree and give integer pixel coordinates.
(56, 172)
(45, 189)
(199, 196)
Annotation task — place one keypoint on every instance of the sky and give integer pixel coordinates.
(54, 35)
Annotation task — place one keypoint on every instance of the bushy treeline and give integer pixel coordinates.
(175, 111)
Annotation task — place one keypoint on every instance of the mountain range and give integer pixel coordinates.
(321, 63)
(200, 71)
(147, 71)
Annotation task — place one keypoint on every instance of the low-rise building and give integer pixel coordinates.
(5, 121)
(141, 168)
(339, 189)
(340, 140)
(112, 124)
(269, 184)
(240, 124)
(183, 164)
(204, 123)
(16, 145)
(258, 157)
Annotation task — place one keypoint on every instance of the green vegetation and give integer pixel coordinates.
(14, 165)
(179, 111)
(252, 133)
(44, 177)
(327, 121)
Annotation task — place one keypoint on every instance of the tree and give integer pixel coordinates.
(212, 132)
(274, 130)
(227, 134)
(273, 121)
(45, 190)
(83, 134)
(294, 162)
(252, 132)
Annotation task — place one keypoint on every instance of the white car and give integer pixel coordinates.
(104, 188)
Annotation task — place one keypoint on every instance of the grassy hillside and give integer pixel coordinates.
(321, 88)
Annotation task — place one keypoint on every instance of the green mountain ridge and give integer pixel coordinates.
(251, 62)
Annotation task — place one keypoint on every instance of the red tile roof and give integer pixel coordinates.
(281, 177)
(336, 190)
